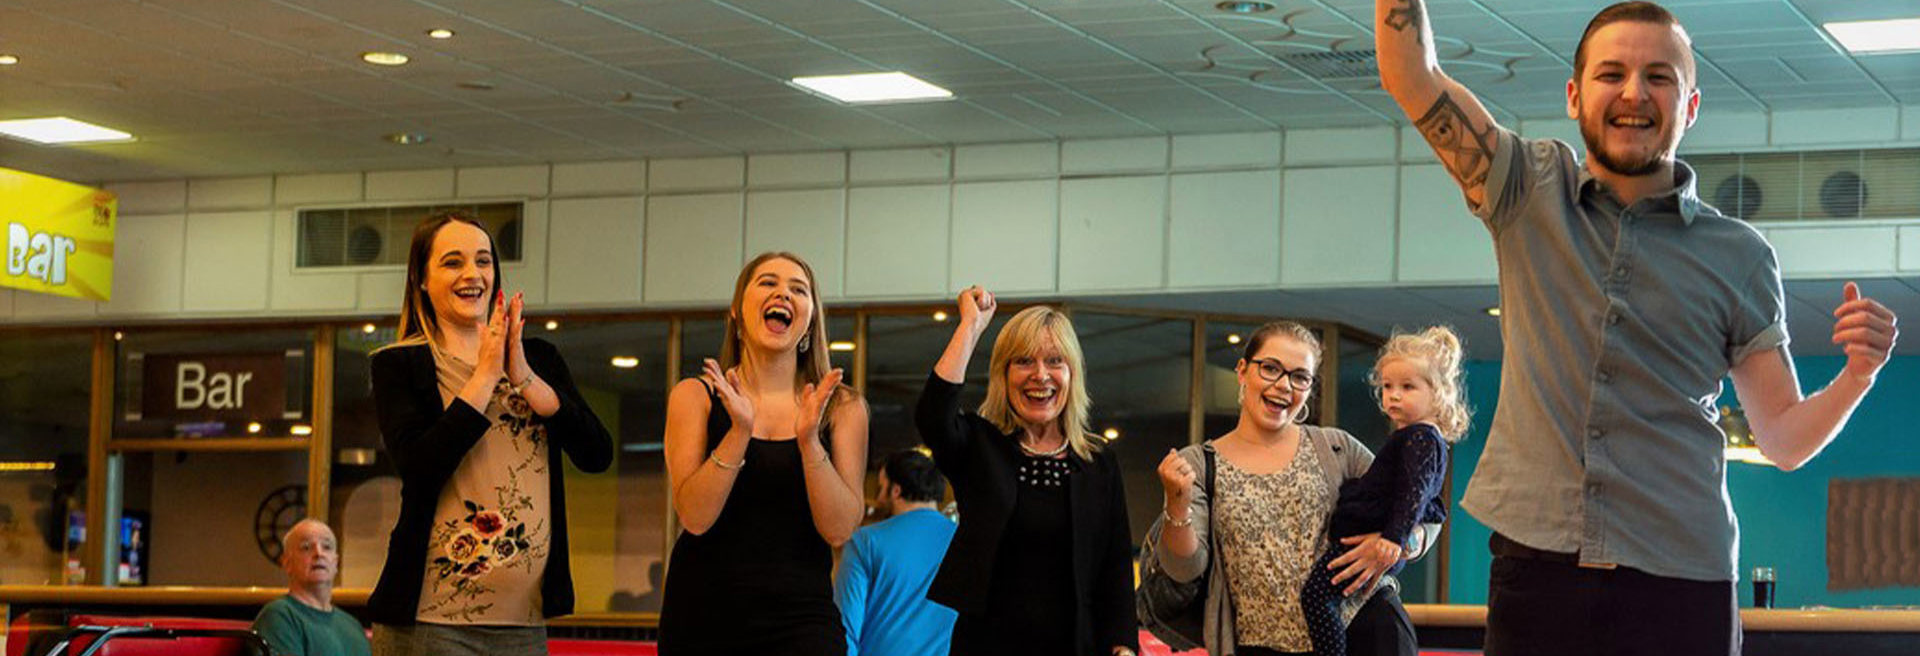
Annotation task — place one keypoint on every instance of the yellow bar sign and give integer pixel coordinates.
(59, 236)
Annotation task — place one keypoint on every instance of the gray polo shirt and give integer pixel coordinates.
(1619, 325)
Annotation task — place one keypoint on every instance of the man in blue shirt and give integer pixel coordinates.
(881, 585)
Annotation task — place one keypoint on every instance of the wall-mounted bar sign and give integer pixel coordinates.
(223, 386)
(58, 235)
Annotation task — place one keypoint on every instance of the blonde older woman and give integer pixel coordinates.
(1041, 563)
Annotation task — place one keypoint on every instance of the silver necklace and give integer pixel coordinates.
(1044, 454)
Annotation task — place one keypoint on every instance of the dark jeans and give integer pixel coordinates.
(1545, 603)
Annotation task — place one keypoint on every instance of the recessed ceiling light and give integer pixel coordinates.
(553, 325)
(385, 58)
(626, 361)
(872, 88)
(840, 346)
(60, 130)
(1872, 36)
(1111, 433)
(1493, 311)
(368, 329)
(1233, 338)
(940, 315)
(1244, 7)
(440, 33)
(8, 60)
(302, 429)
(408, 138)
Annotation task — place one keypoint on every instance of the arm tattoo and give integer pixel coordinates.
(1406, 16)
(1467, 154)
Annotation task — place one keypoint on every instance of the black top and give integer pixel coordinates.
(760, 580)
(427, 439)
(1402, 488)
(996, 520)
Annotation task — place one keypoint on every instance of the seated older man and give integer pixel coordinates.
(305, 621)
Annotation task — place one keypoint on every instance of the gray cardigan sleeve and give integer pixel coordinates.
(1190, 567)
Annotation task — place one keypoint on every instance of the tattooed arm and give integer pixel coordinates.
(1454, 123)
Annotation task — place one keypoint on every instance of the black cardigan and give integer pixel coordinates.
(982, 462)
(427, 439)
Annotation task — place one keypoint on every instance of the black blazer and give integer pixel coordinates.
(982, 462)
(428, 438)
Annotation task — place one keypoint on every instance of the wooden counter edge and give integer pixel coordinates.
(1751, 619)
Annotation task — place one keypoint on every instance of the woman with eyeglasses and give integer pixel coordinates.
(1273, 490)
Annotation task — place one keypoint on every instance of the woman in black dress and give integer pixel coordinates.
(765, 453)
(1041, 563)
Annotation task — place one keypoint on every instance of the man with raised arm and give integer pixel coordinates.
(1625, 301)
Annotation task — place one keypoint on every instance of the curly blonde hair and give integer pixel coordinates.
(1437, 350)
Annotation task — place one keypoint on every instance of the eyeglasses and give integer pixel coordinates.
(1272, 371)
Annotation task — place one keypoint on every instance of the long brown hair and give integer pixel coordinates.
(813, 364)
(418, 322)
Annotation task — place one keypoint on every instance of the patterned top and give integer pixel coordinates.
(1271, 529)
(488, 547)
(1036, 471)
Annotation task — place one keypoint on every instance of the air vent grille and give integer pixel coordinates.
(378, 236)
(1813, 186)
(1335, 65)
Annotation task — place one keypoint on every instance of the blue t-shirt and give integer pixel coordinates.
(882, 587)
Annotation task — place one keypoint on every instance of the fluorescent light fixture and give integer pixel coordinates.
(872, 88)
(60, 130)
(8, 60)
(26, 466)
(440, 33)
(625, 361)
(839, 346)
(1872, 36)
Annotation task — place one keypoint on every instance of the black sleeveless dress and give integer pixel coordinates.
(760, 580)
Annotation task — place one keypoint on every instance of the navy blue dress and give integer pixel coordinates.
(1401, 490)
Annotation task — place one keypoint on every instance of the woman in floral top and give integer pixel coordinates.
(476, 419)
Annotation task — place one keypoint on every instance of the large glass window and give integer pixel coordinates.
(904, 348)
(43, 453)
(1139, 373)
(195, 512)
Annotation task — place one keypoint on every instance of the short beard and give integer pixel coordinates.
(1600, 156)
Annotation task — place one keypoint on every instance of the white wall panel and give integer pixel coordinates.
(503, 181)
(1720, 132)
(811, 224)
(897, 240)
(431, 184)
(600, 178)
(693, 248)
(48, 307)
(1336, 226)
(226, 269)
(149, 255)
(380, 291)
(1226, 230)
(1414, 148)
(797, 169)
(1564, 129)
(594, 250)
(1340, 146)
(1137, 155)
(1249, 149)
(6, 304)
(310, 290)
(1909, 249)
(230, 193)
(699, 174)
(1910, 123)
(906, 165)
(149, 197)
(1815, 127)
(1005, 236)
(529, 275)
(317, 189)
(1113, 234)
(1440, 241)
(1037, 159)
(1817, 252)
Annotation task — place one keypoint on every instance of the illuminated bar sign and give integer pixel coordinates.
(59, 236)
(214, 386)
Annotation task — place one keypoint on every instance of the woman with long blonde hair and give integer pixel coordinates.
(765, 454)
(1041, 562)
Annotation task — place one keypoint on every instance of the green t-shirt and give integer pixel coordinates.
(296, 629)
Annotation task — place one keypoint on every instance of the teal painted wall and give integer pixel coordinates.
(1783, 515)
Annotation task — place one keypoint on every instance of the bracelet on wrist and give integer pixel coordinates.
(1178, 523)
(715, 457)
